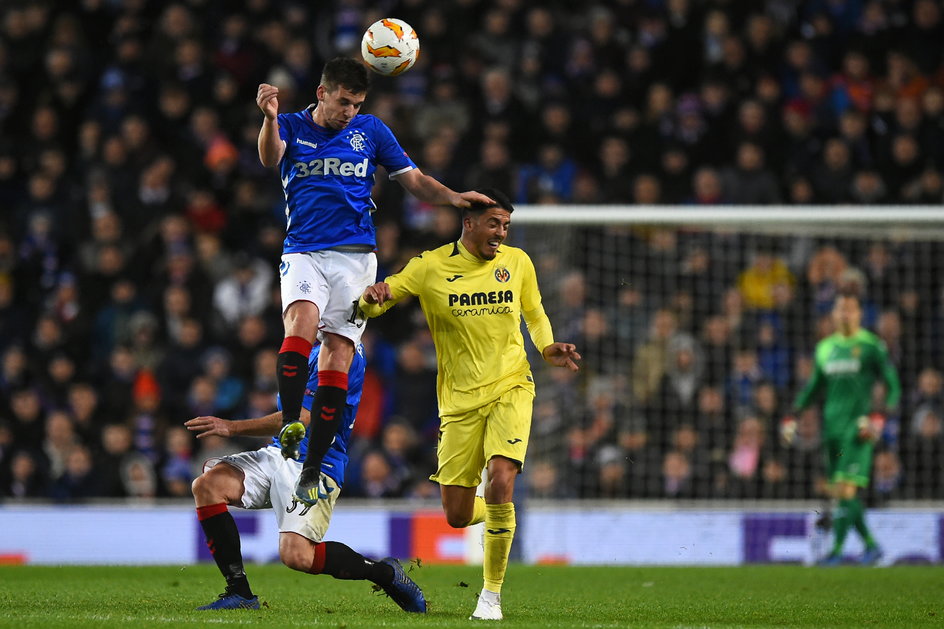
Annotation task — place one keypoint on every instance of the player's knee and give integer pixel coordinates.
(296, 556)
(458, 520)
(202, 487)
(502, 483)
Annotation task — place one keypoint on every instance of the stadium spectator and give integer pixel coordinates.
(26, 477)
(757, 283)
(79, 480)
(114, 451)
(105, 148)
(650, 360)
(677, 476)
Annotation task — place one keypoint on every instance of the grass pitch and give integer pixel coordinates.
(534, 596)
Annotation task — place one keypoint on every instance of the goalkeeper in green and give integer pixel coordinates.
(846, 366)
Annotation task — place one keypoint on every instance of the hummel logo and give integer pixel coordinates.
(498, 531)
(313, 145)
(453, 278)
(514, 441)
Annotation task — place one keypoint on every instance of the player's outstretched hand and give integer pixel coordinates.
(377, 293)
(267, 97)
(788, 429)
(871, 426)
(562, 355)
(466, 199)
(207, 425)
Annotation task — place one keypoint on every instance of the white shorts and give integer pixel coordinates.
(332, 280)
(269, 481)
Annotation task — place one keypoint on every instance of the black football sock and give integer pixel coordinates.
(223, 540)
(326, 411)
(343, 562)
(292, 376)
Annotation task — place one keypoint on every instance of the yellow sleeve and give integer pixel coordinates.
(406, 282)
(539, 326)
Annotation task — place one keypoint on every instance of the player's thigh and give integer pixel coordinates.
(257, 469)
(832, 449)
(460, 451)
(294, 517)
(302, 277)
(349, 274)
(855, 463)
(509, 426)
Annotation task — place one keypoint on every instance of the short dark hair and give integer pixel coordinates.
(345, 72)
(501, 200)
(848, 293)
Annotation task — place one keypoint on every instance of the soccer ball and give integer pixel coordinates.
(390, 46)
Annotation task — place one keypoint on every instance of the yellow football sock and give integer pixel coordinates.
(478, 511)
(499, 532)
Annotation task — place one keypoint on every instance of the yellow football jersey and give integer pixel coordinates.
(474, 309)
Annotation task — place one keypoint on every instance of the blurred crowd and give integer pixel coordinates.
(695, 345)
(139, 235)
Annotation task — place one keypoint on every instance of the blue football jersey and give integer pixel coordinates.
(328, 176)
(336, 458)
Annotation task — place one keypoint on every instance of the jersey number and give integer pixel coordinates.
(314, 167)
(355, 318)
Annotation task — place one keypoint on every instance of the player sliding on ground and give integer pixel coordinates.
(474, 292)
(846, 366)
(262, 479)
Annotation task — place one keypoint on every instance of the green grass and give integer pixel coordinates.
(534, 596)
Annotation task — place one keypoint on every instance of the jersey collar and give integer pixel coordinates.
(310, 117)
(459, 249)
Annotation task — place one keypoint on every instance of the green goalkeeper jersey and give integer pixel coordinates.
(845, 368)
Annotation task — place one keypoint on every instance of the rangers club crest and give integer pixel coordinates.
(357, 142)
(502, 274)
(305, 287)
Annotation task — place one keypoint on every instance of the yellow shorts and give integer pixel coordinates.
(469, 440)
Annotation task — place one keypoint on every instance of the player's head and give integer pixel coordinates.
(485, 226)
(343, 88)
(847, 313)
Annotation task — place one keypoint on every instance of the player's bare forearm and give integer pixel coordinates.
(428, 190)
(562, 355)
(266, 426)
(271, 146)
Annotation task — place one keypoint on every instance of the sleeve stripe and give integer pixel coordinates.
(400, 172)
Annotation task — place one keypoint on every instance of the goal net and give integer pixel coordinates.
(697, 325)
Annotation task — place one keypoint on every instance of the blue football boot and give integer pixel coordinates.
(403, 590)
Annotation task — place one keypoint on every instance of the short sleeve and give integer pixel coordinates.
(285, 127)
(390, 154)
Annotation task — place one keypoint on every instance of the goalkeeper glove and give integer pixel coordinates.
(788, 429)
(871, 426)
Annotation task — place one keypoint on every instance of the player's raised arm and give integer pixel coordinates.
(271, 146)
(428, 190)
